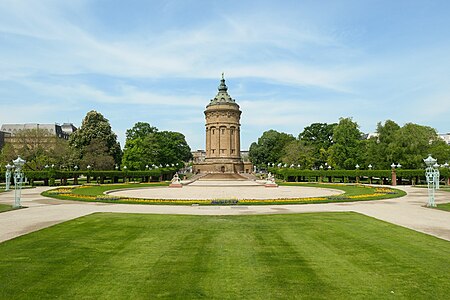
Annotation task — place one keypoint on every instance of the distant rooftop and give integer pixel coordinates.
(60, 131)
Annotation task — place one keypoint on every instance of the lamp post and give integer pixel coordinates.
(18, 180)
(8, 176)
(432, 176)
(357, 173)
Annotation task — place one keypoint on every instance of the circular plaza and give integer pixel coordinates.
(226, 190)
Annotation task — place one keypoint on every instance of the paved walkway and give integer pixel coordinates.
(226, 190)
(408, 211)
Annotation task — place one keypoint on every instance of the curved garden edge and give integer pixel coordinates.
(352, 193)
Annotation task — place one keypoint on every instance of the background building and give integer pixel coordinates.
(34, 134)
(445, 137)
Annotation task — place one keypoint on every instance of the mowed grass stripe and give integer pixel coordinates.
(321, 256)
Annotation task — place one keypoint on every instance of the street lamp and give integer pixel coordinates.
(357, 166)
(432, 176)
(370, 167)
(8, 176)
(76, 168)
(18, 180)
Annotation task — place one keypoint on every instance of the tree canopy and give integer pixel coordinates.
(343, 146)
(270, 147)
(145, 145)
(95, 127)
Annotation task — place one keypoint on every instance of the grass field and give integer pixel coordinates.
(351, 193)
(444, 206)
(315, 256)
(4, 207)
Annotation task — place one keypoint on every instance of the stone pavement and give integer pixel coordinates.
(227, 190)
(408, 211)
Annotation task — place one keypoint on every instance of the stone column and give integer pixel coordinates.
(218, 141)
(208, 142)
(238, 142)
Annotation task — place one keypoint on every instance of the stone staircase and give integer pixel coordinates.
(222, 177)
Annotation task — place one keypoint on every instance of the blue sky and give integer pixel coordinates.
(287, 63)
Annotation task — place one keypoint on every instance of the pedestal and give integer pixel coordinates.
(175, 185)
(271, 185)
(394, 178)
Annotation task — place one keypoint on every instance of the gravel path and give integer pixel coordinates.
(42, 212)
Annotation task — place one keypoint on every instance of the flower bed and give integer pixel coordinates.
(352, 193)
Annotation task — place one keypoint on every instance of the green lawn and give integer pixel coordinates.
(4, 207)
(100, 189)
(444, 206)
(314, 256)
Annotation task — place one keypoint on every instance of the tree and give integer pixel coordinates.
(39, 147)
(172, 147)
(95, 127)
(377, 151)
(345, 152)
(319, 136)
(411, 144)
(140, 130)
(299, 153)
(269, 148)
(145, 145)
(96, 155)
(7, 155)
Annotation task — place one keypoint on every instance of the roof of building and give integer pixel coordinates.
(222, 96)
(61, 131)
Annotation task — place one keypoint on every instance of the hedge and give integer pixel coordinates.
(291, 174)
(50, 176)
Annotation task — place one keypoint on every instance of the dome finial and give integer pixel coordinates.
(223, 87)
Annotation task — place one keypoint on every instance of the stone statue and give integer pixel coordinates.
(176, 181)
(176, 178)
(270, 182)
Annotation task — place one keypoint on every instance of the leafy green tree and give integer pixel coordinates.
(299, 153)
(97, 155)
(38, 147)
(173, 147)
(7, 155)
(270, 147)
(377, 151)
(412, 143)
(346, 151)
(319, 136)
(145, 145)
(140, 130)
(95, 127)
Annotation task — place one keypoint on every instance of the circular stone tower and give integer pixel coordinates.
(223, 141)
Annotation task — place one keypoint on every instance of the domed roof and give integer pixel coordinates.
(222, 96)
